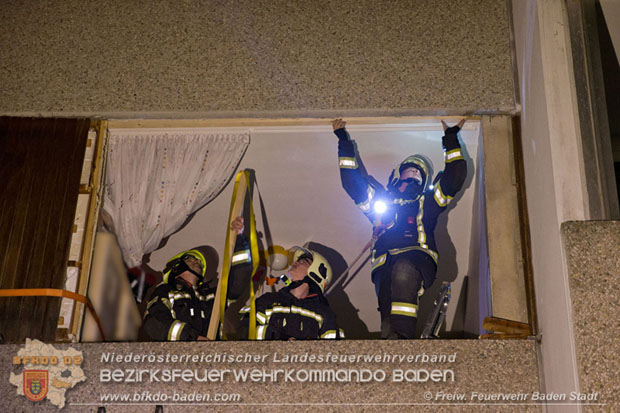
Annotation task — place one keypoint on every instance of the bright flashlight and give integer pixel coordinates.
(380, 207)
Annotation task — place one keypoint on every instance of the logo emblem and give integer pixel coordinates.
(35, 384)
(48, 373)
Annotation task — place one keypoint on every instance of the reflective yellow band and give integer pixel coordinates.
(365, 206)
(260, 332)
(293, 310)
(166, 277)
(277, 309)
(307, 313)
(425, 249)
(341, 331)
(261, 317)
(150, 303)
(241, 257)
(329, 334)
(174, 333)
(453, 155)
(420, 224)
(167, 303)
(406, 309)
(442, 199)
(177, 295)
(245, 310)
(377, 262)
(347, 163)
(205, 298)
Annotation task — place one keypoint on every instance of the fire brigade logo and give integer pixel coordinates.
(47, 373)
(35, 384)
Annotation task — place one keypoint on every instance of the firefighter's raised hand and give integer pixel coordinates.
(237, 225)
(338, 123)
(453, 129)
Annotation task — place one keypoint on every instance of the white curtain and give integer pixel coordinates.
(155, 180)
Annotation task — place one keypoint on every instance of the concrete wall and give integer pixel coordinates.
(214, 58)
(553, 177)
(591, 250)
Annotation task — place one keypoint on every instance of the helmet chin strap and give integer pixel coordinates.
(411, 192)
(181, 267)
(297, 283)
(196, 273)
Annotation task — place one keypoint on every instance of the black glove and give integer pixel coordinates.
(342, 134)
(452, 130)
(450, 139)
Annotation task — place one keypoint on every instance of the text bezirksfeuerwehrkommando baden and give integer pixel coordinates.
(179, 370)
(302, 375)
(275, 357)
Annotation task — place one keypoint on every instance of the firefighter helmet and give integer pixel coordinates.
(420, 162)
(320, 272)
(177, 265)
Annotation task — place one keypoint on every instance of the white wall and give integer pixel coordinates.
(611, 11)
(549, 149)
(298, 176)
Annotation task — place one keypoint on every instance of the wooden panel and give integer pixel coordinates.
(508, 298)
(524, 218)
(40, 166)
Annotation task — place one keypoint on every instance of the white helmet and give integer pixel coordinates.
(319, 271)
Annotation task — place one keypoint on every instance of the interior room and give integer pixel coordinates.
(298, 199)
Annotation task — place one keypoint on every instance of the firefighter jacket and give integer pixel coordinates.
(281, 316)
(180, 312)
(407, 224)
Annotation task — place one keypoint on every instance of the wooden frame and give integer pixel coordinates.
(94, 188)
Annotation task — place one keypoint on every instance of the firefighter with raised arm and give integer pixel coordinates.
(298, 311)
(404, 215)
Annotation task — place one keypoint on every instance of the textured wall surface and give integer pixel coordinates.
(594, 267)
(216, 58)
(486, 367)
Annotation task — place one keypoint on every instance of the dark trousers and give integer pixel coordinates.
(399, 283)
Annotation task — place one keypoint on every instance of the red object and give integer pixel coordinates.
(35, 384)
(259, 273)
(136, 272)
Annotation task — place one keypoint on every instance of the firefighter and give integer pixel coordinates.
(180, 307)
(299, 310)
(404, 215)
